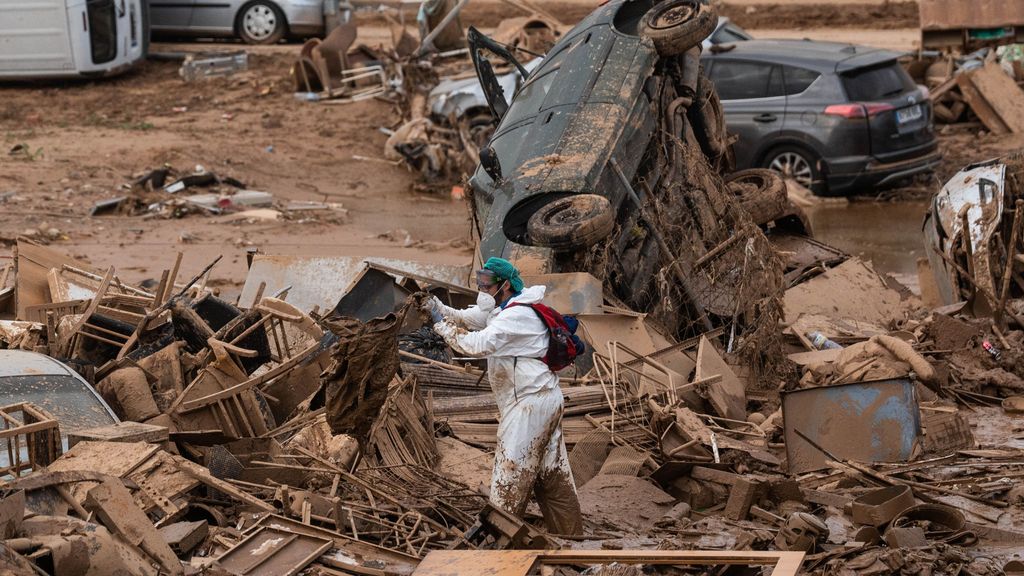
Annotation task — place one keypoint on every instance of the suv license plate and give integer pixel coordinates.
(909, 114)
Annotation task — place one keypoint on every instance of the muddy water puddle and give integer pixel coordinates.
(886, 233)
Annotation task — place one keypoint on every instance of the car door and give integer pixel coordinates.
(170, 15)
(214, 17)
(753, 99)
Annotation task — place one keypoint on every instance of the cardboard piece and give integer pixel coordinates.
(728, 397)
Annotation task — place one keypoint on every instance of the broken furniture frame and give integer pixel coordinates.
(36, 432)
(346, 95)
(523, 562)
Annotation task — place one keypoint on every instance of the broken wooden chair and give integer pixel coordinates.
(327, 69)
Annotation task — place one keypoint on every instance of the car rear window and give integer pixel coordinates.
(877, 82)
(743, 80)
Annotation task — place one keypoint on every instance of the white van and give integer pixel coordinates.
(71, 38)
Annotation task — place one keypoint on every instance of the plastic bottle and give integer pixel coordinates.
(821, 342)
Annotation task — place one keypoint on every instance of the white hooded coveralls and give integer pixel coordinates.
(530, 454)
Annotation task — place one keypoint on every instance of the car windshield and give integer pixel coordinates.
(877, 82)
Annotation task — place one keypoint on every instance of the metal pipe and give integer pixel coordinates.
(428, 41)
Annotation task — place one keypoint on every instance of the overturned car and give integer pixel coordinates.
(612, 157)
(972, 235)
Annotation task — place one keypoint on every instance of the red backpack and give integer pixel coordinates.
(563, 344)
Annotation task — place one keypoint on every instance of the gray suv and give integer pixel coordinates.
(838, 118)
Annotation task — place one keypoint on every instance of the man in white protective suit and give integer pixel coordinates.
(530, 455)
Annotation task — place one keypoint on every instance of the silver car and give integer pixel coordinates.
(254, 21)
(54, 387)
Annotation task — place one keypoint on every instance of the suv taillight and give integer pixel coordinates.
(864, 110)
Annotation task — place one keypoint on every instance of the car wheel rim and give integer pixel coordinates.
(795, 166)
(260, 22)
(674, 16)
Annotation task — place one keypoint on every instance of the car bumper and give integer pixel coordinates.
(867, 173)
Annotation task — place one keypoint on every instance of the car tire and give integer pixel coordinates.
(675, 26)
(761, 192)
(572, 222)
(480, 126)
(261, 22)
(708, 122)
(800, 164)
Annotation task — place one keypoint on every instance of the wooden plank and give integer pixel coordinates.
(113, 505)
(521, 562)
(203, 475)
(728, 397)
(464, 563)
(33, 263)
(59, 289)
(815, 356)
(976, 100)
(1002, 94)
(68, 340)
(121, 432)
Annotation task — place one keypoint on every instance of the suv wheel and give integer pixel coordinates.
(798, 164)
(675, 26)
(261, 22)
(573, 222)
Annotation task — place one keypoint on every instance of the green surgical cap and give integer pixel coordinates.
(504, 270)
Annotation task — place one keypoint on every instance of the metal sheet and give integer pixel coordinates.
(570, 293)
(374, 294)
(323, 280)
(273, 551)
(867, 421)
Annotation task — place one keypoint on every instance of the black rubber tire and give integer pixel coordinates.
(708, 122)
(280, 27)
(675, 26)
(817, 181)
(572, 222)
(480, 126)
(759, 191)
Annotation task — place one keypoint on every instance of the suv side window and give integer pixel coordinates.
(798, 79)
(736, 80)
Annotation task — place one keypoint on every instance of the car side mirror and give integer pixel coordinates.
(490, 163)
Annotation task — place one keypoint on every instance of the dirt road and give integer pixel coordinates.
(88, 139)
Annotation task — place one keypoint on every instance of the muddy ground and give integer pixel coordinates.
(84, 141)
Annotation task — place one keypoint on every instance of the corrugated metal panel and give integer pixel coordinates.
(323, 280)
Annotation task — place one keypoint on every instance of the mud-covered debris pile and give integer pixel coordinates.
(328, 432)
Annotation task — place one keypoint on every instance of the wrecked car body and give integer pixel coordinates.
(552, 147)
(609, 160)
(972, 233)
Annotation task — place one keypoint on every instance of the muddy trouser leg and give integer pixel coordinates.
(524, 436)
(556, 489)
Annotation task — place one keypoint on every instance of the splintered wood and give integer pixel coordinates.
(994, 97)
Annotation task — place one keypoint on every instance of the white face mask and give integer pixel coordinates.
(485, 301)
